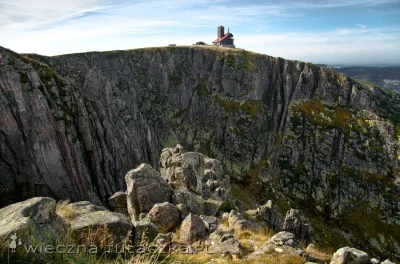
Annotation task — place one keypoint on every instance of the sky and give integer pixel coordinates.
(346, 32)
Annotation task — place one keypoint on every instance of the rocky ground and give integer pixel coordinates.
(184, 211)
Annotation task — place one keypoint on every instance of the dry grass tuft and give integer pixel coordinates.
(63, 211)
(320, 255)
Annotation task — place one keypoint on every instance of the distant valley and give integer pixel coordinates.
(388, 77)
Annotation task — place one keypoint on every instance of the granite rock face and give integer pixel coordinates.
(72, 125)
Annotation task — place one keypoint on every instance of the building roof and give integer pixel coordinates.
(222, 38)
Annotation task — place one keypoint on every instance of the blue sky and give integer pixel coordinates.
(357, 32)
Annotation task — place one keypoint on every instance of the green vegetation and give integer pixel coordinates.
(250, 107)
(318, 113)
(46, 74)
(227, 207)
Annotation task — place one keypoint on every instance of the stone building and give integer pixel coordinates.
(224, 40)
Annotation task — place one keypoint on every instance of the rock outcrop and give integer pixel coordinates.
(238, 223)
(298, 225)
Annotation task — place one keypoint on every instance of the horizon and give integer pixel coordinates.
(344, 33)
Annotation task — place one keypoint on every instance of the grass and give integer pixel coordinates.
(250, 241)
(63, 211)
(324, 256)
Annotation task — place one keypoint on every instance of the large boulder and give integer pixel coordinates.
(145, 188)
(165, 216)
(194, 203)
(89, 222)
(284, 239)
(192, 229)
(33, 221)
(283, 242)
(97, 225)
(347, 255)
(298, 225)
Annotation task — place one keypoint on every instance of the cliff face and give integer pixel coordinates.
(73, 125)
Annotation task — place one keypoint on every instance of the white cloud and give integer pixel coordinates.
(77, 26)
(335, 47)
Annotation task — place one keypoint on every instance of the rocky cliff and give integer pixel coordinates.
(73, 125)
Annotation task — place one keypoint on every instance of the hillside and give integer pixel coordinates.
(302, 135)
(387, 77)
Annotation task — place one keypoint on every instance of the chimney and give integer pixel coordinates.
(221, 31)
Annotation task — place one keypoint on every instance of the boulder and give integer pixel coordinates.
(375, 261)
(223, 243)
(298, 225)
(347, 255)
(211, 223)
(33, 221)
(193, 170)
(165, 216)
(145, 188)
(283, 242)
(97, 225)
(92, 222)
(193, 202)
(284, 239)
(192, 229)
(144, 232)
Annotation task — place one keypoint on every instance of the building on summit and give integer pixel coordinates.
(224, 40)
